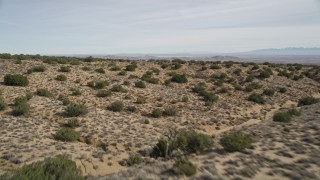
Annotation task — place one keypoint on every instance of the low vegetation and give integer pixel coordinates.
(236, 141)
(74, 110)
(15, 80)
(67, 134)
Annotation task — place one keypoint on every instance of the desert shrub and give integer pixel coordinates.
(153, 80)
(122, 73)
(294, 112)
(155, 70)
(66, 101)
(100, 70)
(29, 95)
(39, 68)
(254, 85)
(20, 100)
(3, 104)
(21, 109)
(208, 97)
(131, 108)
(282, 89)
(237, 71)
(176, 65)
(163, 66)
(185, 167)
(179, 78)
(141, 100)
(61, 77)
(86, 68)
(15, 80)
(118, 88)
(268, 92)
(237, 87)
(264, 74)
(65, 69)
(115, 68)
(235, 141)
(140, 84)
(282, 117)
(223, 90)
(43, 92)
(215, 66)
(192, 142)
(185, 99)
(131, 67)
(67, 134)
(88, 59)
(59, 167)
(308, 100)
(156, 113)
(104, 93)
(98, 85)
(76, 92)
(126, 83)
(74, 122)
(116, 106)
(255, 67)
(146, 121)
(254, 97)
(160, 149)
(134, 158)
(74, 110)
(170, 111)
(249, 78)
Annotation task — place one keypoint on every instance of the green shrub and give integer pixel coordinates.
(185, 99)
(29, 95)
(115, 68)
(140, 84)
(122, 73)
(44, 92)
(100, 70)
(185, 167)
(249, 78)
(39, 68)
(235, 141)
(20, 100)
(268, 92)
(74, 110)
(254, 97)
(61, 77)
(126, 83)
(156, 113)
(215, 66)
(176, 65)
(179, 78)
(282, 90)
(134, 158)
(153, 80)
(264, 74)
(118, 88)
(21, 109)
(308, 100)
(116, 106)
(86, 68)
(64, 69)
(66, 101)
(74, 122)
(3, 104)
(294, 112)
(131, 108)
(76, 92)
(104, 93)
(67, 134)
(59, 167)
(131, 67)
(141, 100)
(282, 117)
(170, 111)
(15, 80)
(98, 85)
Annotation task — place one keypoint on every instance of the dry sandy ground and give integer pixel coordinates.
(108, 137)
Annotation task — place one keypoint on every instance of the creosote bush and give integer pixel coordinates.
(140, 84)
(184, 166)
(15, 80)
(116, 106)
(100, 70)
(61, 77)
(185, 140)
(3, 104)
(254, 97)
(235, 141)
(170, 111)
(118, 88)
(179, 78)
(21, 109)
(72, 123)
(134, 158)
(282, 117)
(308, 100)
(104, 93)
(98, 84)
(64, 69)
(40, 68)
(43, 92)
(141, 100)
(67, 134)
(156, 113)
(268, 92)
(74, 110)
(59, 167)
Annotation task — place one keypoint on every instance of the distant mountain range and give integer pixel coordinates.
(284, 51)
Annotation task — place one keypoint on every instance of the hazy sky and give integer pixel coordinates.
(156, 26)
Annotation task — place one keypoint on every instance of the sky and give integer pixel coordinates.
(156, 26)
